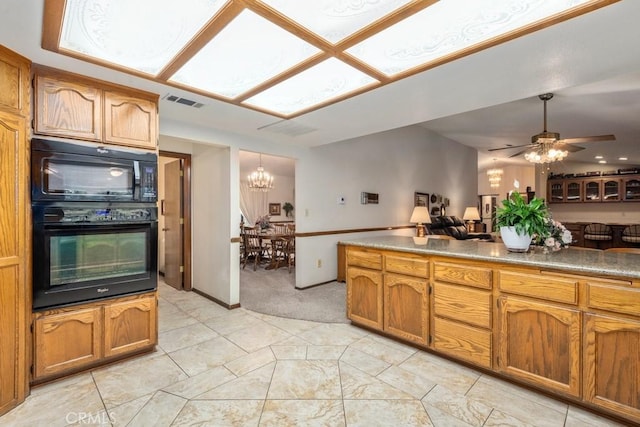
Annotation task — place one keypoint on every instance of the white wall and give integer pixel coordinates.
(283, 191)
(394, 164)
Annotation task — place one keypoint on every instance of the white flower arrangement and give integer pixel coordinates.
(557, 236)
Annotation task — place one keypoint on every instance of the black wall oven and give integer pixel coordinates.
(95, 222)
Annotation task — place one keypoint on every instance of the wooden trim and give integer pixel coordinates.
(352, 230)
(216, 300)
(187, 257)
(314, 286)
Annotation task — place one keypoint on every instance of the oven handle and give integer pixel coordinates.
(52, 225)
(136, 173)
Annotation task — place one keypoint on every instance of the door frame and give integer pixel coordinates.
(186, 213)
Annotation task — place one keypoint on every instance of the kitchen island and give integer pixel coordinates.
(547, 320)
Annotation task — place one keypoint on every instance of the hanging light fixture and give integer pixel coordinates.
(545, 153)
(259, 180)
(495, 176)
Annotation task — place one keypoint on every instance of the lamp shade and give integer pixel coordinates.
(420, 215)
(471, 214)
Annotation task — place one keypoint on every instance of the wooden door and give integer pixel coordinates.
(540, 343)
(14, 249)
(67, 109)
(364, 297)
(171, 210)
(130, 121)
(130, 325)
(406, 307)
(612, 364)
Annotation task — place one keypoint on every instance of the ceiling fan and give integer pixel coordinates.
(545, 140)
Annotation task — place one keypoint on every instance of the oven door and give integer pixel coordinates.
(74, 263)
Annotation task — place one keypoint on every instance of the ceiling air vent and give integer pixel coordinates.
(288, 127)
(183, 101)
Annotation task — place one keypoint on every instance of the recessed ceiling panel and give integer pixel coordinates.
(334, 20)
(450, 26)
(143, 35)
(327, 80)
(244, 54)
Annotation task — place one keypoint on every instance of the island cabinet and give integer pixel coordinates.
(74, 338)
(540, 330)
(71, 106)
(462, 311)
(364, 288)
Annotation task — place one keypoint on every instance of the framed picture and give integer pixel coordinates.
(274, 208)
(421, 199)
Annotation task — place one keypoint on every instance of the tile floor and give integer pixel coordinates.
(215, 367)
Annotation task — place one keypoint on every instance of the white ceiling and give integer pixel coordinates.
(591, 63)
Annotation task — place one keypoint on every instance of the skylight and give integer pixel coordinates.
(289, 57)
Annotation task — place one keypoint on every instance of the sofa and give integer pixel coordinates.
(455, 227)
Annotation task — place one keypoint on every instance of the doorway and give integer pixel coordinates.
(174, 219)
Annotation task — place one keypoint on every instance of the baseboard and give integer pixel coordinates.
(216, 300)
(316, 285)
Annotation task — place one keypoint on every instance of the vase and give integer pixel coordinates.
(513, 241)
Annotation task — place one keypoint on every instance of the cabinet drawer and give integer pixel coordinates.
(364, 259)
(462, 341)
(460, 303)
(463, 274)
(551, 288)
(418, 267)
(608, 296)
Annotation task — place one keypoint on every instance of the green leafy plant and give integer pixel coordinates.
(287, 207)
(527, 218)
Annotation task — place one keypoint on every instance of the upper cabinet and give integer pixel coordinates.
(594, 189)
(14, 83)
(72, 106)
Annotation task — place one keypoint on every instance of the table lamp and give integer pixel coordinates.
(471, 215)
(420, 216)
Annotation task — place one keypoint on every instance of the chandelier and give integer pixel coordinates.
(495, 176)
(259, 180)
(545, 153)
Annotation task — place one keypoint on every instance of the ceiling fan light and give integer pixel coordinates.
(545, 137)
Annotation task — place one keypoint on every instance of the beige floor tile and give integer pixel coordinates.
(121, 415)
(186, 336)
(174, 319)
(289, 352)
(329, 352)
(399, 378)
(332, 334)
(130, 380)
(257, 336)
(302, 413)
(500, 419)
(220, 413)
(454, 377)
(461, 407)
(396, 413)
(486, 381)
(251, 361)
(444, 419)
(231, 322)
(206, 355)
(359, 385)
(363, 361)
(383, 350)
(253, 385)
(205, 310)
(577, 417)
(305, 379)
(159, 411)
(293, 326)
(203, 382)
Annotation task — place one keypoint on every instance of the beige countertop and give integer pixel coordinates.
(571, 260)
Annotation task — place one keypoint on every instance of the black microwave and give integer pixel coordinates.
(64, 171)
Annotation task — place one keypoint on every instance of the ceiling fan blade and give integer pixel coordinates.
(588, 139)
(513, 146)
(518, 153)
(569, 147)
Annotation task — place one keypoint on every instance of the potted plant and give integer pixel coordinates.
(520, 221)
(288, 208)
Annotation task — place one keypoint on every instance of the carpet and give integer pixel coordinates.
(273, 292)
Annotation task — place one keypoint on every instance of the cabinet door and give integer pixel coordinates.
(573, 192)
(130, 326)
(611, 190)
(364, 297)
(612, 364)
(555, 191)
(130, 121)
(14, 83)
(406, 307)
(540, 344)
(593, 190)
(631, 189)
(14, 250)
(67, 109)
(65, 341)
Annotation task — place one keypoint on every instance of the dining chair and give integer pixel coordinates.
(252, 248)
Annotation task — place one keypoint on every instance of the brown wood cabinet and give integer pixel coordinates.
(99, 332)
(594, 189)
(15, 229)
(572, 335)
(72, 106)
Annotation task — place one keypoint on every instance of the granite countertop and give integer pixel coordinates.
(616, 264)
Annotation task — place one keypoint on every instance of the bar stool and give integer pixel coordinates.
(598, 233)
(631, 234)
